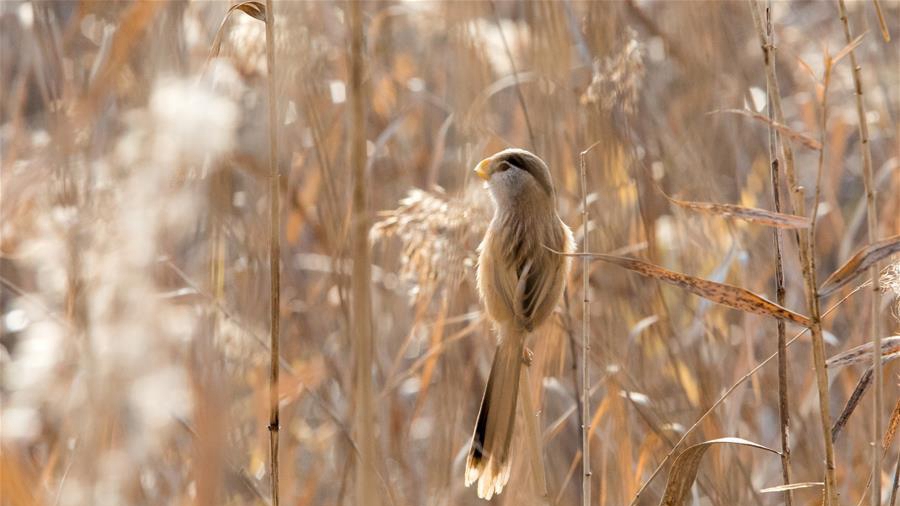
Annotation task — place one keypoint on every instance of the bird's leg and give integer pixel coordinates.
(527, 356)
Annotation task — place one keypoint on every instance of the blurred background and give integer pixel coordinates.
(135, 232)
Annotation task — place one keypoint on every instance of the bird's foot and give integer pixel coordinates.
(527, 356)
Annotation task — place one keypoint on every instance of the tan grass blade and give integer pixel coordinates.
(684, 469)
(859, 263)
(892, 427)
(720, 293)
(802, 138)
(792, 486)
(751, 214)
(885, 33)
(861, 386)
(849, 47)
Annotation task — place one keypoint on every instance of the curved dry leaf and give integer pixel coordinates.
(752, 214)
(863, 353)
(720, 293)
(684, 469)
(859, 263)
(784, 129)
(792, 486)
(253, 9)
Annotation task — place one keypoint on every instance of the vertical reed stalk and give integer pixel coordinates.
(783, 401)
(807, 262)
(585, 344)
(274, 252)
(361, 302)
(872, 222)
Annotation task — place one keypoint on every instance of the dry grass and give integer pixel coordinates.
(136, 273)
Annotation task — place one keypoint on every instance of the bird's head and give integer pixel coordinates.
(517, 177)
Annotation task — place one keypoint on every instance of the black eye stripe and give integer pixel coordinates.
(516, 161)
(535, 168)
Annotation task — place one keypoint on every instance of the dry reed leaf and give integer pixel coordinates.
(720, 293)
(784, 129)
(863, 353)
(752, 214)
(859, 263)
(792, 486)
(892, 427)
(253, 9)
(684, 469)
(849, 47)
(864, 381)
(861, 386)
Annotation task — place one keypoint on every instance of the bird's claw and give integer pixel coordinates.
(527, 356)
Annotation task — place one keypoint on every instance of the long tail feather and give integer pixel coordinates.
(488, 461)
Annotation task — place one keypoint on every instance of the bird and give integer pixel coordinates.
(520, 277)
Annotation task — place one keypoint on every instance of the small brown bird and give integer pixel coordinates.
(520, 282)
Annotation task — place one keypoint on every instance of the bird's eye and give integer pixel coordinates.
(503, 166)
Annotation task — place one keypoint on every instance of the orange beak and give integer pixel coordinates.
(482, 169)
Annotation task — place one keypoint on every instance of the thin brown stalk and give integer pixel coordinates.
(573, 346)
(585, 340)
(807, 261)
(872, 222)
(361, 280)
(783, 399)
(274, 253)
